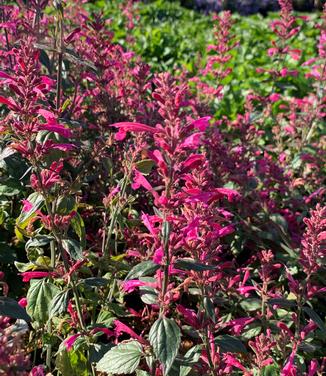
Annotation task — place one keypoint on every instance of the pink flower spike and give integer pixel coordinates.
(27, 276)
(158, 256)
(313, 367)
(290, 369)
(69, 342)
(134, 127)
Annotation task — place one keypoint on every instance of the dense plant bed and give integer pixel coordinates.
(146, 227)
(249, 6)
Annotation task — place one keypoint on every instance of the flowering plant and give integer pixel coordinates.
(140, 233)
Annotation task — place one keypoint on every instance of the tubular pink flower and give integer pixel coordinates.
(69, 342)
(120, 327)
(134, 127)
(131, 285)
(27, 276)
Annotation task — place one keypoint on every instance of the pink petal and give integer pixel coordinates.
(134, 127)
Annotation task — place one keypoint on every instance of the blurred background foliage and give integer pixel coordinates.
(171, 37)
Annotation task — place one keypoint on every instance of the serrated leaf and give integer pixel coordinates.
(39, 297)
(73, 248)
(142, 269)
(190, 264)
(10, 308)
(121, 359)
(59, 304)
(231, 344)
(165, 337)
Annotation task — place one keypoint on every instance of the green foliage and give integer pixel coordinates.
(170, 37)
(121, 359)
(39, 297)
(165, 338)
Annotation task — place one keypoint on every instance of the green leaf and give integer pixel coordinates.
(271, 370)
(59, 304)
(37, 201)
(39, 297)
(165, 338)
(96, 281)
(10, 308)
(65, 205)
(209, 308)
(145, 166)
(231, 344)
(9, 189)
(78, 225)
(74, 248)
(72, 363)
(121, 359)
(139, 372)
(24, 267)
(148, 294)
(97, 351)
(190, 264)
(316, 318)
(192, 356)
(251, 304)
(38, 241)
(142, 269)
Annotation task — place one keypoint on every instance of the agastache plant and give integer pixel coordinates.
(140, 233)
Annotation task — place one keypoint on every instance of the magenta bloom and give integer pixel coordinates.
(27, 276)
(69, 342)
(37, 371)
(22, 302)
(290, 369)
(124, 127)
(131, 285)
